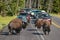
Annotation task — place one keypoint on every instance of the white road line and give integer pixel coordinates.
(42, 37)
(39, 35)
(36, 35)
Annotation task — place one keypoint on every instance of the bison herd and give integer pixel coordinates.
(17, 24)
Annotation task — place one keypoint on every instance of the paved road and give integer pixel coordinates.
(31, 33)
(56, 20)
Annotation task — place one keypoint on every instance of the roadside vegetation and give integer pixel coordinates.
(5, 20)
(53, 14)
(11, 7)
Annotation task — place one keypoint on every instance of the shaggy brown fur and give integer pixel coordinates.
(39, 23)
(15, 24)
(45, 24)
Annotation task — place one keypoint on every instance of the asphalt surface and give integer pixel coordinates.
(31, 33)
(56, 20)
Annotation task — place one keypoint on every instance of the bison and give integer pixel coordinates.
(38, 23)
(15, 25)
(45, 24)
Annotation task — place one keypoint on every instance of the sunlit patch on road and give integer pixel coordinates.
(55, 25)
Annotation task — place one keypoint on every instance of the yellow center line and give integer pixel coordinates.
(55, 25)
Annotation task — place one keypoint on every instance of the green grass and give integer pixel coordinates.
(5, 20)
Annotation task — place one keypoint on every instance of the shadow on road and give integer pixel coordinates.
(31, 30)
(4, 33)
(36, 33)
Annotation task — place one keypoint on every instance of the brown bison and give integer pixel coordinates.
(45, 24)
(15, 25)
(38, 23)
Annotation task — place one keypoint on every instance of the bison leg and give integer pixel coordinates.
(44, 28)
(18, 30)
(13, 31)
(48, 30)
(9, 28)
(24, 25)
(45, 32)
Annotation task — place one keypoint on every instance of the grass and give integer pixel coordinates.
(5, 20)
(57, 15)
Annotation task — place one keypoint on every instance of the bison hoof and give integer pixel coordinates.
(9, 32)
(14, 32)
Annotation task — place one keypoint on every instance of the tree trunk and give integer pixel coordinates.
(49, 10)
(30, 4)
